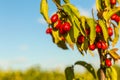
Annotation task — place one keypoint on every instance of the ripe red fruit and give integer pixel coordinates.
(81, 39)
(61, 29)
(108, 62)
(104, 45)
(58, 24)
(87, 31)
(110, 31)
(113, 2)
(92, 47)
(66, 26)
(54, 18)
(99, 45)
(98, 29)
(117, 19)
(48, 30)
(113, 17)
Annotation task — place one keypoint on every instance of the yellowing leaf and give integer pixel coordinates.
(91, 24)
(79, 48)
(69, 41)
(99, 5)
(107, 3)
(107, 15)
(118, 1)
(55, 36)
(111, 73)
(44, 10)
(114, 55)
(104, 29)
(116, 37)
(83, 22)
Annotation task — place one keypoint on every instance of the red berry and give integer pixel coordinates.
(104, 45)
(98, 29)
(117, 19)
(48, 30)
(92, 47)
(98, 44)
(61, 29)
(113, 17)
(110, 31)
(113, 2)
(108, 62)
(81, 39)
(58, 24)
(66, 26)
(54, 18)
(87, 31)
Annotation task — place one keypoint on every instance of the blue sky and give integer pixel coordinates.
(23, 41)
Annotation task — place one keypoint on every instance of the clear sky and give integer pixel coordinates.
(23, 41)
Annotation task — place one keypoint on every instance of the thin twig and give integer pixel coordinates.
(58, 6)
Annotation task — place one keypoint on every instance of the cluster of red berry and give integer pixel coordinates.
(99, 44)
(114, 17)
(63, 27)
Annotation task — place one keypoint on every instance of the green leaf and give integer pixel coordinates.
(86, 44)
(62, 45)
(79, 26)
(99, 5)
(76, 30)
(104, 29)
(98, 73)
(91, 24)
(66, 1)
(107, 14)
(74, 10)
(116, 37)
(74, 21)
(111, 73)
(87, 66)
(44, 10)
(114, 55)
(69, 73)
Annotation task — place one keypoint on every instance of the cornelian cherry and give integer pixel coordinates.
(48, 30)
(108, 62)
(81, 39)
(58, 24)
(104, 45)
(110, 31)
(98, 29)
(92, 47)
(113, 2)
(54, 18)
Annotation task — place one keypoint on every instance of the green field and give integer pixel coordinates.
(36, 73)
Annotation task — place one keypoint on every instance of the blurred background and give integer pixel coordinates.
(25, 48)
